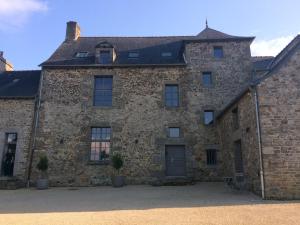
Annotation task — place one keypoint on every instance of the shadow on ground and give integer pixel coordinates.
(90, 199)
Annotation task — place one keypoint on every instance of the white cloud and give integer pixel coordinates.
(15, 13)
(270, 47)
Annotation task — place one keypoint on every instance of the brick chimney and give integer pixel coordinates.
(4, 64)
(73, 31)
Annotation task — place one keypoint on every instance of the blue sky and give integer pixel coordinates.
(30, 30)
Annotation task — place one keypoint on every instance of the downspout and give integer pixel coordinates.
(36, 120)
(261, 170)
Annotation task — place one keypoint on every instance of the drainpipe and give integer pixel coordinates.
(36, 120)
(261, 170)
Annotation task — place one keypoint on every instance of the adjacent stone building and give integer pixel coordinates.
(164, 103)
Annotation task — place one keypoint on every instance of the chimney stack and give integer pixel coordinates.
(4, 64)
(73, 31)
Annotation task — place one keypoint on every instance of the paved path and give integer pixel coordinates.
(204, 203)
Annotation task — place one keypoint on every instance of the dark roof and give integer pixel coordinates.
(149, 49)
(19, 84)
(211, 34)
(262, 62)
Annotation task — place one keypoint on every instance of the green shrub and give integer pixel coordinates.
(117, 161)
(43, 163)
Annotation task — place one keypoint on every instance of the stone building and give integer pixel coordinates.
(163, 103)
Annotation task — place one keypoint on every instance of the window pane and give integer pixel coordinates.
(208, 117)
(171, 95)
(103, 91)
(218, 52)
(100, 145)
(211, 156)
(105, 57)
(174, 132)
(133, 55)
(207, 79)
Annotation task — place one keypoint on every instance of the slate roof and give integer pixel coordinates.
(149, 49)
(262, 63)
(19, 84)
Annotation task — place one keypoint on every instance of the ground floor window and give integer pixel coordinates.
(9, 153)
(211, 157)
(100, 144)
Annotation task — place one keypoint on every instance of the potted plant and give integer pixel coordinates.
(117, 163)
(42, 166)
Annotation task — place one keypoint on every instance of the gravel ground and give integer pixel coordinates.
(203, 203)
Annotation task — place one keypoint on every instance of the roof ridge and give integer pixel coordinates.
(166, 36)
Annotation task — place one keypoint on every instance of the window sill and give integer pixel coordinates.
(103, 162)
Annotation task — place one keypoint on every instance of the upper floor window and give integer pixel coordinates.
(100, 143)
(207, 79)
(208, 117)
(174, 132)
(81, 54)
(103, 91)
(105, 57)
(171, 95)
(235, 118)
(218, 52)
(133, 55)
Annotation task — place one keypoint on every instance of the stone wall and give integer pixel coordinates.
(247, 134)
(279, 99)
(17, 117)
(138, 117)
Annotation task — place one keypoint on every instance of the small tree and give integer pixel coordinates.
(42, 164)
(117, 162)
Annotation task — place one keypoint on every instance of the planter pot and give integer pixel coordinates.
(42, 184)
(118, 181)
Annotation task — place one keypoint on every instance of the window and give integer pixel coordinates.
(103, 91)
(207, 79)
(100, 144)
(81, 54)
(172, 95)
(133, 55)
(208, 117)
(105, 57)
(174, 132)
(9, 153)
(235, 118)
(218, 52)
(166, 54)
(211, 157)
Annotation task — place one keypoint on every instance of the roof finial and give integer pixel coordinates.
(206, 23)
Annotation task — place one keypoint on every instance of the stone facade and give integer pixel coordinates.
(138, 116)
(246, 132)
(4, 64)
(17, 117)
(279, 101)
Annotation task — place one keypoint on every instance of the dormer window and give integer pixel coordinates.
(133, 55)
(105, 53)
(81, 54)
(105, 57)
(166, 54)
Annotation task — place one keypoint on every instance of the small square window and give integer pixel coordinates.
(208, 117)
(166, 54)
(218, 52)
(207, 79)
(211, 157)
(174, 132)
(133, 55)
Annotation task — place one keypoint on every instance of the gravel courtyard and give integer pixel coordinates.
(203, 203)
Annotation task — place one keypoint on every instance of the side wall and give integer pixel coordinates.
(16, 116)
(247, 134)
(279, 98)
